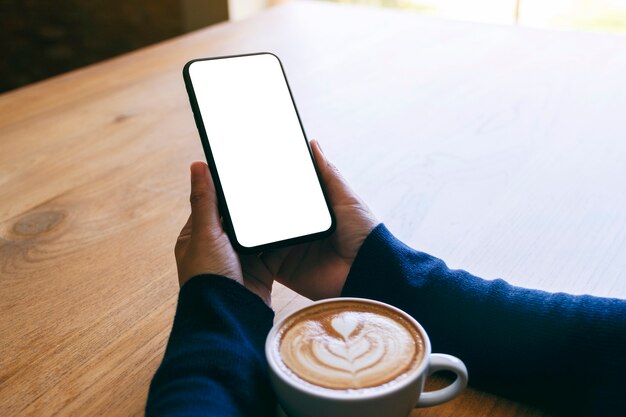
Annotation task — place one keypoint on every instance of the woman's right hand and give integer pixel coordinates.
(319, 269)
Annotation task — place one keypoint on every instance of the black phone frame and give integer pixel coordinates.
(223, 207)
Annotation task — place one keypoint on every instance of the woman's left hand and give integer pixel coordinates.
(203, 247)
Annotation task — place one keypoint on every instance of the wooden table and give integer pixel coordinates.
(499, 149)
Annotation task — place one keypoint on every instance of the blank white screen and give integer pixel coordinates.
(262, 159)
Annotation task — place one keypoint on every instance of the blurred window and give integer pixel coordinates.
(596, 15)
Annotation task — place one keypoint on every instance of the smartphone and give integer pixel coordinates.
(267, 182)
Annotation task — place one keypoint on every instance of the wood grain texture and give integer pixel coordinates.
(498, 149)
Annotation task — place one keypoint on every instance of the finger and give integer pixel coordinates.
(337, 187)
(280, 263)
(254, 265)
(274, 258)
(204, 211)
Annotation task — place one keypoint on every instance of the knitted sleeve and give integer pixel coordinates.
(563, 352)
(214, 364)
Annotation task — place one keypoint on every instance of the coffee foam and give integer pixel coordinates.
(349, 345)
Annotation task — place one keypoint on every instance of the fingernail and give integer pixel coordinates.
(320, 147)
(197, 170)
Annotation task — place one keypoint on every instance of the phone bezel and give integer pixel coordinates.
(223, 207)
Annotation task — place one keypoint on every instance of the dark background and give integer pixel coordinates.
(42, 38)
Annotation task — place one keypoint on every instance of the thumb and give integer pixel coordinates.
(204, 212)
(338, 189)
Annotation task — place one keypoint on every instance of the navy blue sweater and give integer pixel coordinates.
(564, 353)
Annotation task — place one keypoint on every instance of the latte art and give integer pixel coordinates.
(347, 345)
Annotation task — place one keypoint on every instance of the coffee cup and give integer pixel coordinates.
(354, 356)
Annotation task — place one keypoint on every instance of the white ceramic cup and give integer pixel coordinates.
(396, 400)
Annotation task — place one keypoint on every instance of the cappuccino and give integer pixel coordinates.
(348, 345)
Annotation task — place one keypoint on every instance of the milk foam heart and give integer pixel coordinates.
(350, 345)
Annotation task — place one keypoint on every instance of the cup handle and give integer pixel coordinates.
(442, 362)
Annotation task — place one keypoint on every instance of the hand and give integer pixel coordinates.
(319, 269)
(202, 246)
